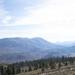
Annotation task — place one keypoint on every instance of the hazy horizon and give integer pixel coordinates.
(57, 42)
(53, 20)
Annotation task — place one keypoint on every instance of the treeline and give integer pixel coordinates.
(52, 63)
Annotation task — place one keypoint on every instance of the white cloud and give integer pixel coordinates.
(56, 10)
(6, 19)
(3, 12)
(56, 17)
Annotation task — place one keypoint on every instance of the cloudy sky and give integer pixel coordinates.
(53, 20)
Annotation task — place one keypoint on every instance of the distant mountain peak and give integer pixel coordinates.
(28, 48)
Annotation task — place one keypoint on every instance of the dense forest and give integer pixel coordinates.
(27, 66)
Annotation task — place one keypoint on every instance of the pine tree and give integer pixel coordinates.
(40, 65)
(36, 67)
(2, 70)
(25, 70)
(30, 68)
(66, 64)
(46, 65)
(59, 65)
(63, 59)
(8, 71)
(71, 60)
(13, 70)
(43, 69)
(18, 70)
(52, 64)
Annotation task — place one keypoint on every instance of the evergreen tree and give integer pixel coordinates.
(43, 69)
(46, 65)
(13, 69)
(71, 60)
(18, 70)
(63, 59)
(40, 65)
(8, 71)
(25, 70)
(59, 65)
(30, 68)
(2, 70)
(52, 64)
(36, 67)
(66, 64)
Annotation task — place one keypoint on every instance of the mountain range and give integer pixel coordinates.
(67, 43)
(22, 49)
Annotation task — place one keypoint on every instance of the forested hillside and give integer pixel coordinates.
(44, 65)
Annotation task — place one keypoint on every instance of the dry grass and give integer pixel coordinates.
(31, 72)
(68, 70)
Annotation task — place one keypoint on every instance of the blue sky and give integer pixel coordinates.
(53, 20)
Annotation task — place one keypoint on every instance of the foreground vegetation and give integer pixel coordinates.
(39, 67)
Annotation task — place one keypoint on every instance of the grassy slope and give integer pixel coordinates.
(31, 73)
(68, 70)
